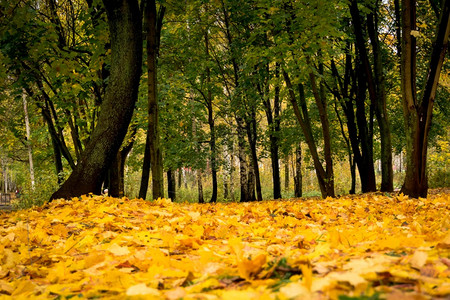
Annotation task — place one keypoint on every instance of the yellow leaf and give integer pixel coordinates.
(419, 259)
(295, 290)
(142, 289)
(23, 288)
(118, 250)
(249, 268)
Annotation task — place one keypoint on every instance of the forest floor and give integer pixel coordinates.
(370, 246)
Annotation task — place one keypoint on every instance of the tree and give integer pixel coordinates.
(125, 28)
(153, 150)
(375, 81)
(418, 109)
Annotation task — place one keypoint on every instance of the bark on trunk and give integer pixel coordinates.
(28, 132)
(117, 170)
(243, 166)
(418, 114)
(200, 187)
(298, 191)
(286, 174)
(212, 132)
(273, 121)
(387, 173)
(155, 152)
(252, 138)
(125, 28)
(326, 184)
(171, 186)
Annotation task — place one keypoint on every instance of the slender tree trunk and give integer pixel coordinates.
(387, 173)
(252, 138)
(146, 167)
(251, 183)
(302, 116)
(417, 113)
(117, 170)
(209, 100)
(321, 102)
(155, 151)
(273, 121)
(171, 186)
(124, 20)
(180, 173)
(298, 172)
(213, 150)
(286, 173)
(200, 187)
(243, 166)
(29, 146)
(226, 173)
(232, 169)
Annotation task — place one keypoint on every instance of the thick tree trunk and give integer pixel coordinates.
(365, 137)
(418, 114)
(125, 28)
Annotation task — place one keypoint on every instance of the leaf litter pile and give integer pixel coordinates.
(362, 247)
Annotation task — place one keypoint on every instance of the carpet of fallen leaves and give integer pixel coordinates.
(362, 247)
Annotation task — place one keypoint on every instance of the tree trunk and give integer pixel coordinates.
(326, 184)
(124, 20)
(146, 167)
(117, 170)
(29, 146)
(387, 173)
(418, 114)
(209, 106)
(273, 122)
(251, 183)
(171, 186)
(321, 103)
(286, 173)
(243, 166)
(252, 139)
(153, 149)
(298, 172)
(213, 150)
(200, 187)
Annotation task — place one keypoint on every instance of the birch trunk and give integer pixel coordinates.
(30, 149)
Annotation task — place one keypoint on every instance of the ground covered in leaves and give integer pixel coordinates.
(362, 247)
